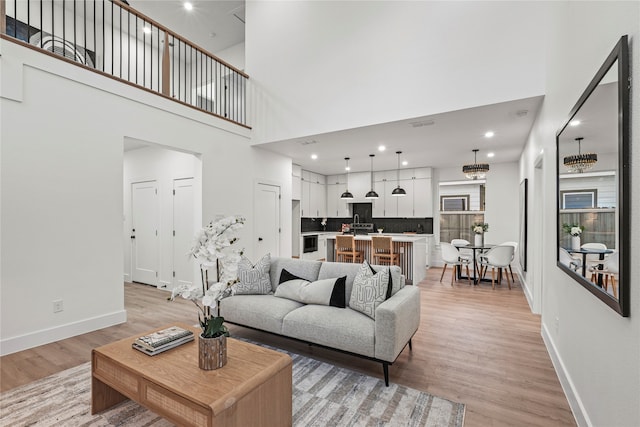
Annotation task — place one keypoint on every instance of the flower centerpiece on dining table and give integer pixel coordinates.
(479, 228)
(574, 230)
(213, 249)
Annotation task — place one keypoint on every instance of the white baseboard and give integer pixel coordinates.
(46, 336)
(577, 407)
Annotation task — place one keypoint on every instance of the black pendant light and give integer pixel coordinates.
(371, 194)
(398, 191)
(347, 194)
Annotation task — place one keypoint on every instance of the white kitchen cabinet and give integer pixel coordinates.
(313, 201)
(359, 185)
(405, 203)
(336, 208)
(422, 199)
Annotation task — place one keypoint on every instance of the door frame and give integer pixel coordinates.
(256, 187)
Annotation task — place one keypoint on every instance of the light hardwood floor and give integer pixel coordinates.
(474, 345)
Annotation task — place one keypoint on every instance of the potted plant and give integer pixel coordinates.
(213, 250)
(574, 230)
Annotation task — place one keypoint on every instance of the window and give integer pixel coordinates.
(579, 199)
(461, 204)
(454, 203)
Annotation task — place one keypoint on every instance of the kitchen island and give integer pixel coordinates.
(412, 249)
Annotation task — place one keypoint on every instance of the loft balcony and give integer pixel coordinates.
(110, 38)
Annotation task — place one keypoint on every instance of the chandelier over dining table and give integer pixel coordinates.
(578, 163)
(475, 170)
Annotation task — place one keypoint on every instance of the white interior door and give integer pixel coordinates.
(183, 231)
(144, 233)
(267, 217)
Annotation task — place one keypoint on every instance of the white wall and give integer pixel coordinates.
(163, 166)
(62, 189)
(317, 67)
(233, 55)
(596, 352)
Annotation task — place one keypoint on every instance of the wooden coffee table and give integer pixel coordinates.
(254, 387)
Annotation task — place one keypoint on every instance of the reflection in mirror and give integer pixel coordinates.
(593, 185)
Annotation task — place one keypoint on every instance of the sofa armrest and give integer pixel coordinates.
(397, 319)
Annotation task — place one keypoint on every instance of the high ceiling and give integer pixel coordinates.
(213, 25)
(440, 140)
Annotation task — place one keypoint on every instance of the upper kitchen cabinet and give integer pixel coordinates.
(418, 201)
(336, 207)
(296, 182)
(313, 201)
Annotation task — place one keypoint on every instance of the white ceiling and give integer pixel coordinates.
(440, 140)
(220, 17)
(445, 143)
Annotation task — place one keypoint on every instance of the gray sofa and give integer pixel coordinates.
(343, 329)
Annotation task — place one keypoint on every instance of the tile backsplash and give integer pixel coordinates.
(390, 225)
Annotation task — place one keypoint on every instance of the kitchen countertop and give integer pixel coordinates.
(394, 237)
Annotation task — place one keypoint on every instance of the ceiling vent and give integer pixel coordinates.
(422, 123)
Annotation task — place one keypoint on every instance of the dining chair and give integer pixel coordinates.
(497, 257)
(451, 256)
(515, 249)
(382, 251)
(610, 270)
(346, 249)
(570, 261)
(593, 260)
(464, 252)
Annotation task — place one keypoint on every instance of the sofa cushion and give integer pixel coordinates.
(343, 329)
(324, 292)
(253, 278)
(369, 290)
(302, 268)
(337, 269)
(263, 312)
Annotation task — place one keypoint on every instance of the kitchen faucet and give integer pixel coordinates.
(356, 219)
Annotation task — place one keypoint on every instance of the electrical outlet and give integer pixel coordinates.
(57, 306)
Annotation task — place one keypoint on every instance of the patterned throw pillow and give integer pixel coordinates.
(253, 279)
(369, 290)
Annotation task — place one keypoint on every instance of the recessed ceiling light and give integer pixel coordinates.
(314, 156)
(188, 5)
(382, 148)
(146, 30)
(574, 122)
(491, 154)
(489, 134)
(405, 163)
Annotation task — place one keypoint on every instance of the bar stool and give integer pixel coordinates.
(346, 249)
(382, 251)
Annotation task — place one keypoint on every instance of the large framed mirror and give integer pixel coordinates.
(593, 198)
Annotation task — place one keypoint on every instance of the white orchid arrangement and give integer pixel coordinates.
(480, 227)
(573, 229)
(212, 248)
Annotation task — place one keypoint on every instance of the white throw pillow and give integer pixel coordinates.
(253, 278)
(369, 290)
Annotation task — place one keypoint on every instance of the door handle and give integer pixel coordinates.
(259, 239)
(133, 237)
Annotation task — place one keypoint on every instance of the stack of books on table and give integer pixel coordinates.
(163, 340)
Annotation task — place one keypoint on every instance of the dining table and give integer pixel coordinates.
(476, 249)
(591, 251)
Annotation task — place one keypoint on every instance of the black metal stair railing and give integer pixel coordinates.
(114, 39)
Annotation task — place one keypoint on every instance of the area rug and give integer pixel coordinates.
(323, 395)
